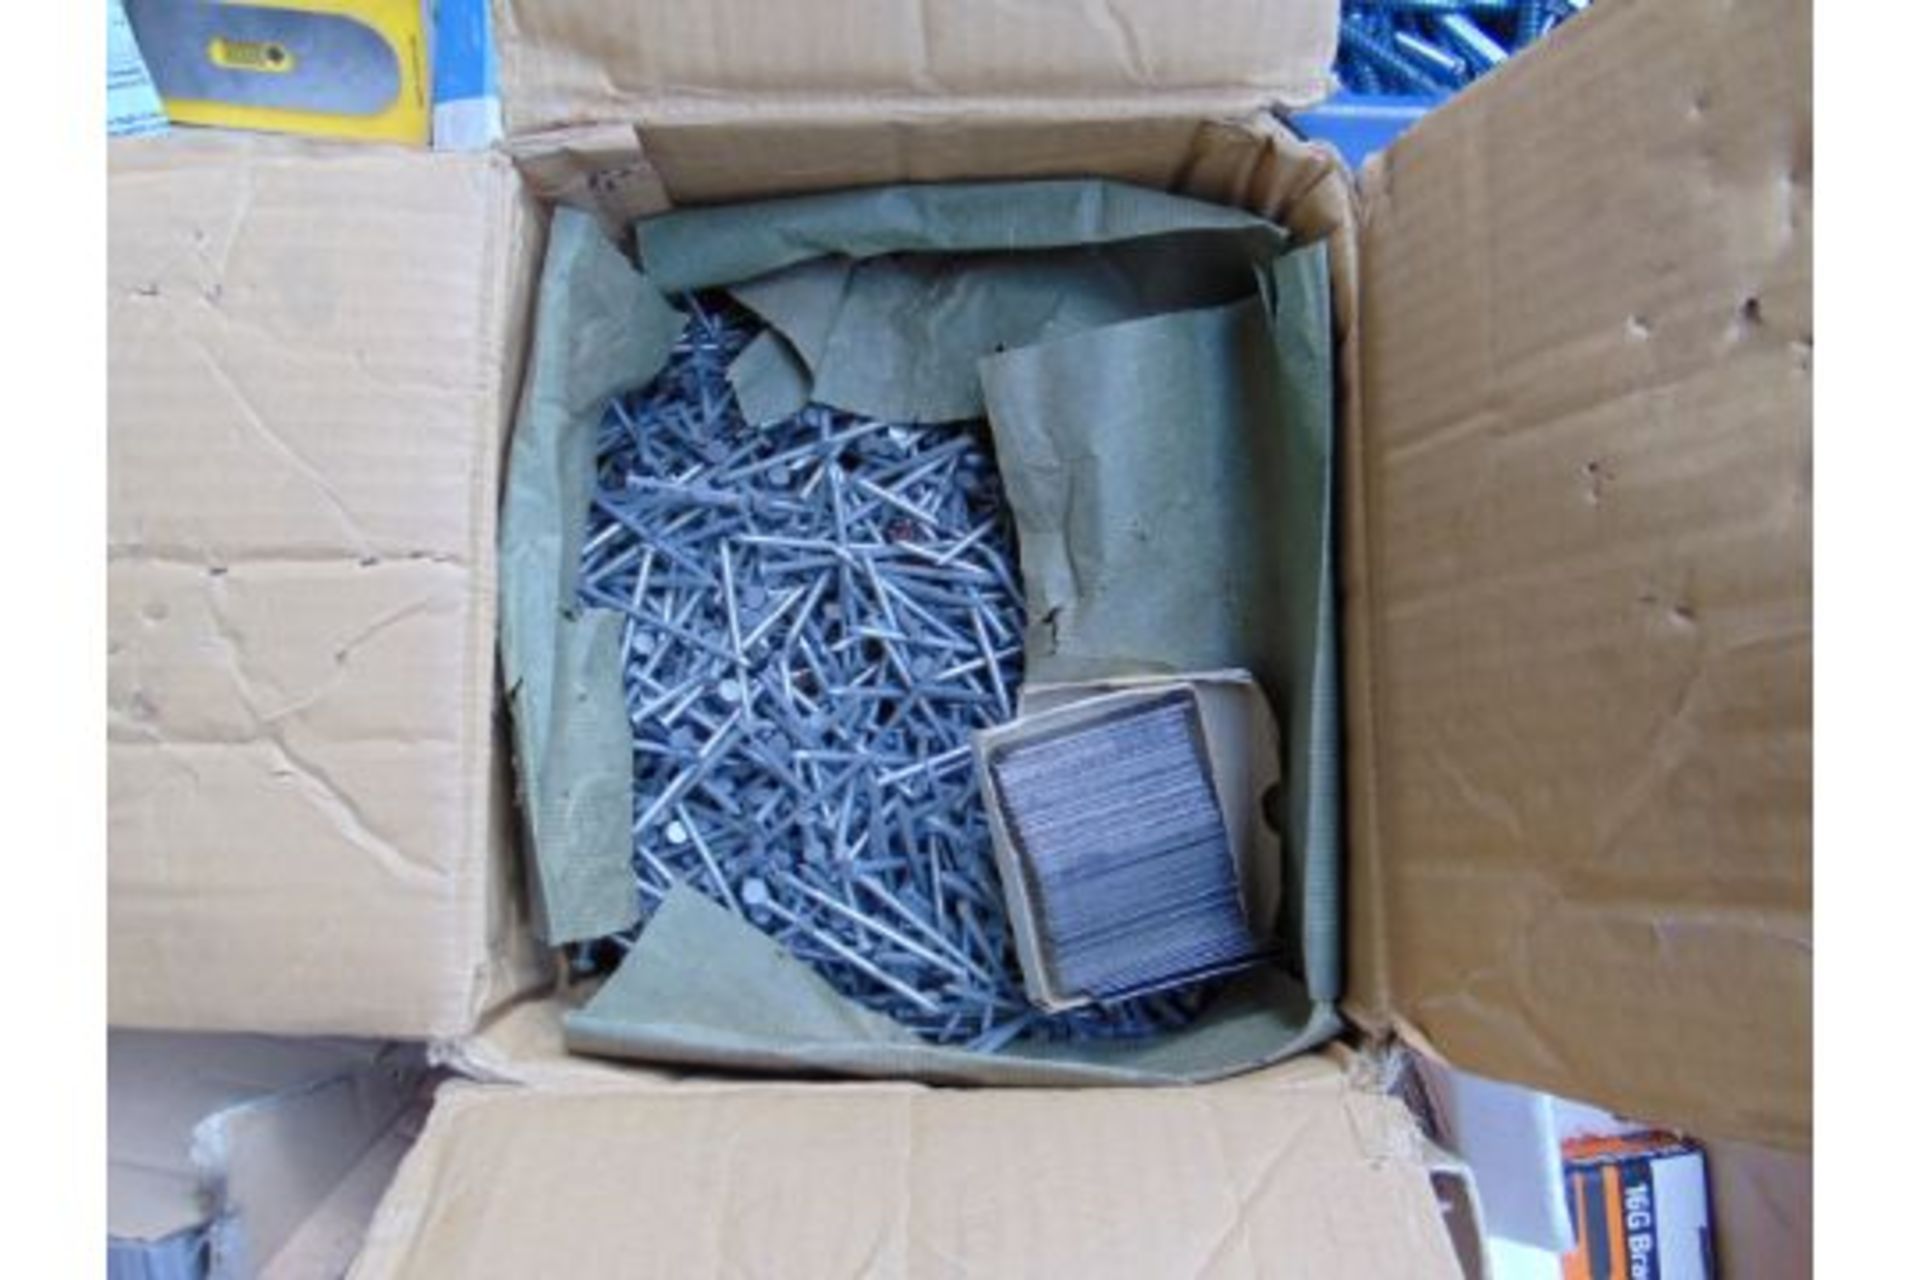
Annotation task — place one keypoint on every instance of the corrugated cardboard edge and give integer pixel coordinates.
(525, 1044)
(512, 962)
(1704, 111)
(721, 152)
(569, 64)
(328, 1240)
(270, 1162)
(1455, 1187)
(1285, 1172)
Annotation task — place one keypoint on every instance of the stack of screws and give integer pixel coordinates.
(1430, 48)
(1123, 846)
(819, 613)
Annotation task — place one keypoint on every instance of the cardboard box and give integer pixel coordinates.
(241, 1156)
(1574, 307)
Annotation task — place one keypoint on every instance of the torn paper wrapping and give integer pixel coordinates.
(1232, 570)
(703, 987)
(600, 326)
(891, 297)
(701, 248)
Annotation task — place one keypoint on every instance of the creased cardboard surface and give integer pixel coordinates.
(568, 63)
(1284, 1173)
(307, 403)
(1587, 353)
(1233, 157)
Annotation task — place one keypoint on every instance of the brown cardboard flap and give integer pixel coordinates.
(1587, 492)
(564, 63)
(312, 363)
(1289, 1172)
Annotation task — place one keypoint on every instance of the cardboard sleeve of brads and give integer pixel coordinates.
(1241, 744)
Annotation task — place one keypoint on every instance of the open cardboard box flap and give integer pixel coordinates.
(1287, 1172)
(564, 63)
(1580, 625)
(314, 354)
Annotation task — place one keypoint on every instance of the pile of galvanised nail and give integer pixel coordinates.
(1429, 48)
(820, 612)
